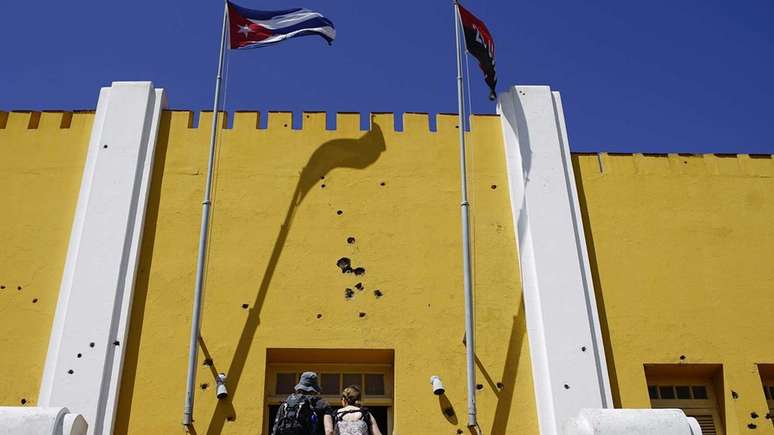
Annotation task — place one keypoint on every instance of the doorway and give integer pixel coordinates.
(370, 370)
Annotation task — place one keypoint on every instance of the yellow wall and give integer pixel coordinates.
(685, 265)
(680, 247)
(276, 237)
(41, 161)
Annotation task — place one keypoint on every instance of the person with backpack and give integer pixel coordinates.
(304, 412)
(351, 418)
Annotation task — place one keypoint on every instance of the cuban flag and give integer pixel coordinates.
(249, 28)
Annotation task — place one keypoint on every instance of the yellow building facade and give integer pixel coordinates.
(338, 250)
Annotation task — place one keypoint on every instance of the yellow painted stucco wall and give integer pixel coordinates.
(275, 240)
(684, 250)
(681, 252)
(41, 161)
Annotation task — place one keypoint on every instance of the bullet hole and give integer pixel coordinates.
(345, 264)
(359, 286)
(378, 293)
(350, 240)
(204, 386)
(23, 401)
(682, 357)
(358, 271)
(91, 344)
(382, 183)
(361, 314)
(734, 395)
(79, 355)
(459, 431)
(2, 287)
(566, 387)
(319, 316)
(35, 301)
(449, 411)
(322, 186)
(231, 417)
(752, 426)
(19, 288)
(339, 212)
(69, 372)
(500, 385)
(284, 125)
(583, 348)
(116, 343)
(754, 414)
(245, 306)
(207, 362)
(322, 177)
(104, 146)
(479, 387)
(348, 293)
(494, 186)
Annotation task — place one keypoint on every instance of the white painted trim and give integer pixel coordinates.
(580, 238)
(65, 287)
(559, 298)
(98, 281)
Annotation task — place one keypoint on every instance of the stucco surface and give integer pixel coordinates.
(682, 248)
(276, 237)
(41, 162)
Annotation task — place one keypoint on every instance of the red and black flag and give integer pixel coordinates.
(480, 44)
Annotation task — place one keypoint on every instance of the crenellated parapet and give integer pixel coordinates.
(315, 121)
(45, 121)
(740, 165)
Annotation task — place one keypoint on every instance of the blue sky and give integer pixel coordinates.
(648, 76)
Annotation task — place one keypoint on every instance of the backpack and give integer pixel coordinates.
(361, 426)
(296, 417)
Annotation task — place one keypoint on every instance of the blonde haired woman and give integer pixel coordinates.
(351, 418)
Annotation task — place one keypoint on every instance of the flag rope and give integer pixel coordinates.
(219, 141)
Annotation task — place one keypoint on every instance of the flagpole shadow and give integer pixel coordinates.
(338, 153)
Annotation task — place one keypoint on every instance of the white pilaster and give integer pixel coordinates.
(86, 348)
(568, 362)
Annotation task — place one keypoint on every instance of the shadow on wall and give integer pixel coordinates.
(447, 409)
(599, 294)
(338, 153)
(505, 387)
(129, 371)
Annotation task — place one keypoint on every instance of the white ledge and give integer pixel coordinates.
(632, 422)
(19, 420)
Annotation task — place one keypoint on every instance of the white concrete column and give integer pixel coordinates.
(86, 348)
(568, 362)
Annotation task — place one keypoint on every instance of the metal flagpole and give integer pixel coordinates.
(197, 305)
(466, 263)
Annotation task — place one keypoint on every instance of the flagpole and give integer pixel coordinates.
(202, 256)
(466, 263)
